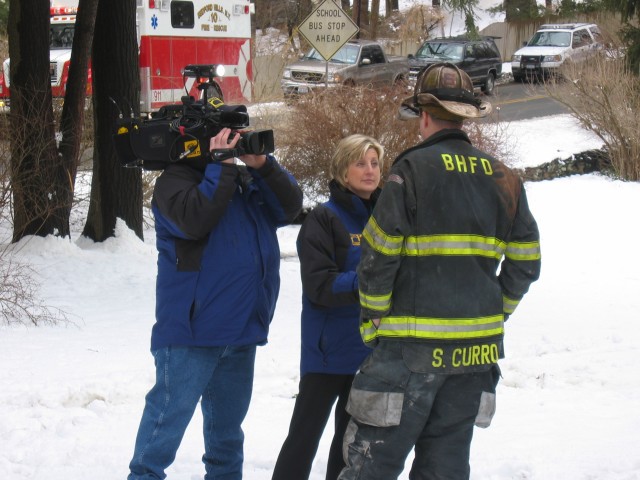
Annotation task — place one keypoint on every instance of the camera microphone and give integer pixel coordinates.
(231, 119)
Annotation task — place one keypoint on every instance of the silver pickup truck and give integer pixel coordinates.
(358, 62)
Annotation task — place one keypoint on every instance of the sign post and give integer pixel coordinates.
(327, 29)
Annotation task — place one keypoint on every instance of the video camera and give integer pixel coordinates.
(181, 132)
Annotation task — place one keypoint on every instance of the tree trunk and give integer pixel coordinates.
(33, 146)
(391, 6)
(72, 119)
(375, 15)
(364, 13)
(116, 192)
(548, 6)
(437, 8)
(357, 15)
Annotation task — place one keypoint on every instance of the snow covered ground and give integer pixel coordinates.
(71, 395)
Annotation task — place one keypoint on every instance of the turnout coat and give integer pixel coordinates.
(218, 254)
(449, 252)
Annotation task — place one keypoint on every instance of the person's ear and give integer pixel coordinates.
(424, 119)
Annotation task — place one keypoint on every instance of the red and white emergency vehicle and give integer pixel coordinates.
(171, 35)
(63, 18)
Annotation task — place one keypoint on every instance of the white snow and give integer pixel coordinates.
(72, 395)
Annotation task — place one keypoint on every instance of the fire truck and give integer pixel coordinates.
(63, 17)
(171, 35)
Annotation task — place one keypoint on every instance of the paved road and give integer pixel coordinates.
(519, 101)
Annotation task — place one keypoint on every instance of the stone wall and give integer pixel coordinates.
(580, 163)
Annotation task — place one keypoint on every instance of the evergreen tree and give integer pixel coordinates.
(630, 10)
(520, 10)
(466, 8)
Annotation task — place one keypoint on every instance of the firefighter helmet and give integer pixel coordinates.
(446, 91)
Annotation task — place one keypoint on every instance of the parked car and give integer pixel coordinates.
(358, 62)
(480, 58)
(552, 46)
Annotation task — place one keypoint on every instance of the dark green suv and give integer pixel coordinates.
(479, 58)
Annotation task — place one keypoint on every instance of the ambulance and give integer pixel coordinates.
(171, 35)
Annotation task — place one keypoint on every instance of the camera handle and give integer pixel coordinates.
(224, 153)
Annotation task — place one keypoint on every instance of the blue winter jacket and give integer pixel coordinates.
(218, 254)
(329, 250)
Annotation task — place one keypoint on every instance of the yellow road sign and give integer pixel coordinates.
(328, 28)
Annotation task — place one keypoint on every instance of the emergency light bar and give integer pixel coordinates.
(241, 9)
(63, 11)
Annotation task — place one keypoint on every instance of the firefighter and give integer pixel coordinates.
(433, 305)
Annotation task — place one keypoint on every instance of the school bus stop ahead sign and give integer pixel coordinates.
(328, 28)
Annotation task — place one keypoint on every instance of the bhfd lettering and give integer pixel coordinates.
(462, 164)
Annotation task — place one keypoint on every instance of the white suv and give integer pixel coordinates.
(552, 46)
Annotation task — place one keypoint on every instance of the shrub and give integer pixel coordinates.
(310, 131)
(307, 134)
(604, 96)
(19, 302)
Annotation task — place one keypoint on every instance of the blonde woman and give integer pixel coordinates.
(332, 349)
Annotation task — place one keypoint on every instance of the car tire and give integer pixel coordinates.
(489, 84)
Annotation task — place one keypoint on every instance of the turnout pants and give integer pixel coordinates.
(397, 404)
(318, 392)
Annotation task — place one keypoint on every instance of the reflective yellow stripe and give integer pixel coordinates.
(378, 303)
(509, 304)
(368, 332)
(455, 245)
(523, 251)
(380, 241)
(425, 245)
(435, 328)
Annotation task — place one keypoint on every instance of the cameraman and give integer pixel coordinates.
(216, 290)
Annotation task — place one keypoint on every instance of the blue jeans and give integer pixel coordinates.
(223, 378)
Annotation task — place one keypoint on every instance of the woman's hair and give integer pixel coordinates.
(349, 150)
